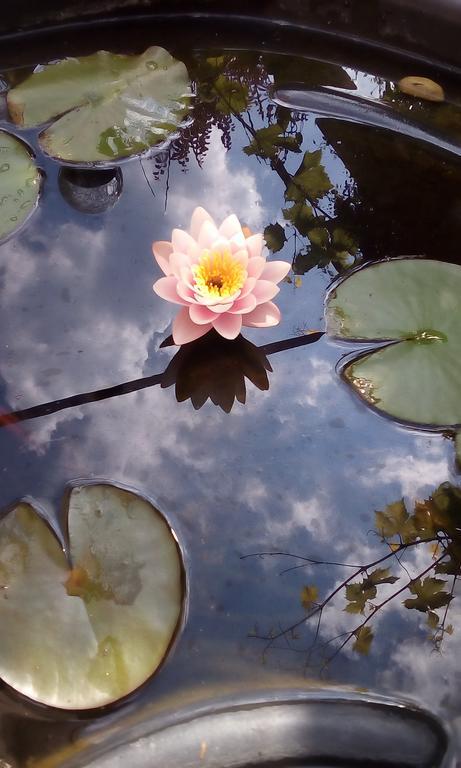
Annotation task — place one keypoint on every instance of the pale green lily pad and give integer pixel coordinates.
(416, 303)
(85, 634)
(105, 106)
(19, 184)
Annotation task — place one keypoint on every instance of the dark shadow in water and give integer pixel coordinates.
(393, 197)
(209, 367)
(216, 368)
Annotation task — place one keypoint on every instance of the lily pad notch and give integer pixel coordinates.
(104, 107)
(20, 183)
(409, 310)
(87, 622)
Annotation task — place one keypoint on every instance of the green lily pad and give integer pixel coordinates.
(105, 106)
(19, 184)
(414, 304)
(86, 625)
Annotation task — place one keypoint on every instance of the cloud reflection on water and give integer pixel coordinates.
(301, 467)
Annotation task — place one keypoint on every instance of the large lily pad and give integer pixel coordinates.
(417, 305)
(19, 184)
(108, 106)
(86, 626)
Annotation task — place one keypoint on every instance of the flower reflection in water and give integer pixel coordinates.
(216, 368)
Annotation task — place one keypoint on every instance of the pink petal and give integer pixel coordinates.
(166, 289)
(200, 314)
(208, 234)
(184, 330)
(218, 309)
(187, 277)
(275, 271)
(219, 304)
(198, 217)
(255, 266)
(230, 227)
(221, 244)
(263, 316)
(254, 244)
(264, 290)
(242, 257)
(178, 262)
(185, 292)
(228, 325)
(247, 286)
(237, 242)
(162, 250)
(241, 306)
(183, 243)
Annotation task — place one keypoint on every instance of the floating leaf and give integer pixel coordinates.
(429, 595)
(310, 182)
(451, 566)
(267, 142)
(364, 637)
(422, 88)
(319, 236)
(106, 106)
(274, 235)
(232, 95)
(425, 520)
(432, 620)
(382, 576)
(394, 520)
(343, 241)
(311, 257)
(358, 594)
(83, 635)
(415, 303)
(19, 184)
(283, 117)
(309, 596)
(301, 216)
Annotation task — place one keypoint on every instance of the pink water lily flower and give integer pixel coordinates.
(219, 276)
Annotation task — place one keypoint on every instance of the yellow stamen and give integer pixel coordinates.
(218, 274)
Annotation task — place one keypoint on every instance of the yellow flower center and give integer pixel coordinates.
(218, 274)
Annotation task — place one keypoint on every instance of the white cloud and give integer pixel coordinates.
(432, 678)
(413, 473)
(223, 190)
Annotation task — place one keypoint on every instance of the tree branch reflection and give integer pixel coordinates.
(434, 528)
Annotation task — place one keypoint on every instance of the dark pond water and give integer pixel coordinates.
(302, 466)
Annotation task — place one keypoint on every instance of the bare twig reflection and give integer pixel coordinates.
(433, 527)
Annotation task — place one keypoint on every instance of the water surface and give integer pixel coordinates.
(299, 468)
